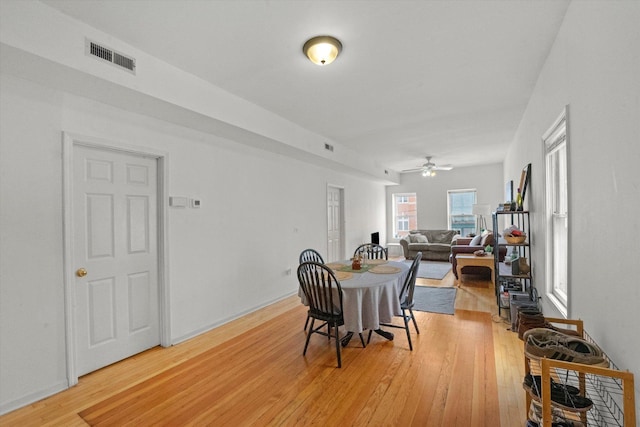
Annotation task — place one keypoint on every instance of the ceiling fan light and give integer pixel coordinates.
(322, 50)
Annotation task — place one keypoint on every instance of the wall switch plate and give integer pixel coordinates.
(196, 203)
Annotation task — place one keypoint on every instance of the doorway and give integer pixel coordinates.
(116, 301)
(335, 223)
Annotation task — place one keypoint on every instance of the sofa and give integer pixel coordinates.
(468, 245)
(435, 245)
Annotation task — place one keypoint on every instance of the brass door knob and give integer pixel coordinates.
(81, 272)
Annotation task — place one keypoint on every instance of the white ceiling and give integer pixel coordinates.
(450, 79)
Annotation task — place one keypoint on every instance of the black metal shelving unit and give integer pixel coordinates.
(506, 278)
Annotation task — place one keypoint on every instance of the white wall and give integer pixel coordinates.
(431, 192)
(32, 335)
(594, 67)
(259, 210)
(42, 44)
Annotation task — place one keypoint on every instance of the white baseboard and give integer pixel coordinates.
(27, 399)
(207, 328)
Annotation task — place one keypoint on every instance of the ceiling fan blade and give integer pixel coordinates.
(429, 166)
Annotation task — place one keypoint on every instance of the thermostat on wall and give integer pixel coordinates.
(178, 202)
(195, 203)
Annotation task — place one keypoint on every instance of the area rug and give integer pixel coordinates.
(435, 299)
(432, 269)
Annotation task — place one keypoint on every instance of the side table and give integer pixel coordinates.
(478, 261)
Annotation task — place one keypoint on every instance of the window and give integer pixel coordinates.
(405, 214)
(403, 223)
(556, 212)
(460, 205)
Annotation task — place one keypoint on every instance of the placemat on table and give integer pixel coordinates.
(385, 269)
(376, 261)
(348, 269)
(343, 275)
(335, 265)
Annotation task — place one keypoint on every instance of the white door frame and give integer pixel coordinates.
(342, 220)
(69, 141)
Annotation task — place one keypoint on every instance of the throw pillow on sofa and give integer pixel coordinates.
(487, 240)
(417, 238)
(440, 236)
(421, 238)
(475, 241)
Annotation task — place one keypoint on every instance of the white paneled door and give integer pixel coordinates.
(334, 223)
(115, 256)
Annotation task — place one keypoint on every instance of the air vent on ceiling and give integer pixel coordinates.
(328, 147)
(97, 50)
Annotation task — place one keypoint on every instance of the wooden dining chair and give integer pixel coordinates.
(372, 251)
(310, 255)
(306, 256)
(324, 296)
(406, 301)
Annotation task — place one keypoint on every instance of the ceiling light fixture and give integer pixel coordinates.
(322, 50)
(428, 172)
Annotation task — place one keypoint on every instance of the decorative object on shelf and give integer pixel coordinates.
(519, 201)
(508, 195)
(524, 180)
(523, 266)
(513, 235)
(514, 240)
(480, 252)
(515, 267)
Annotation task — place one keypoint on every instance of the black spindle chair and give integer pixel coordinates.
(372, 251)
(324, 296)
(306, 256)
(406, 301)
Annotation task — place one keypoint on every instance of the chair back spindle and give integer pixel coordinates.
(372, 251)
(310, 255)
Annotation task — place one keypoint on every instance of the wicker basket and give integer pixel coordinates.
(515, 239)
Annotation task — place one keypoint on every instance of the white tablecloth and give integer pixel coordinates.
(370, 299)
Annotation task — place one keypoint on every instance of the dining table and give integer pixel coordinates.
(370, 296)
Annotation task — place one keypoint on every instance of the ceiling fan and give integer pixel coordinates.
(430, 168)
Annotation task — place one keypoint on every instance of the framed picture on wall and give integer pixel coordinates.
(524, 179)
(508, 195)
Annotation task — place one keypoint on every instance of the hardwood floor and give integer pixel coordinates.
(251, 372)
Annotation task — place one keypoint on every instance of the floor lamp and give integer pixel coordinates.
(481, 211)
